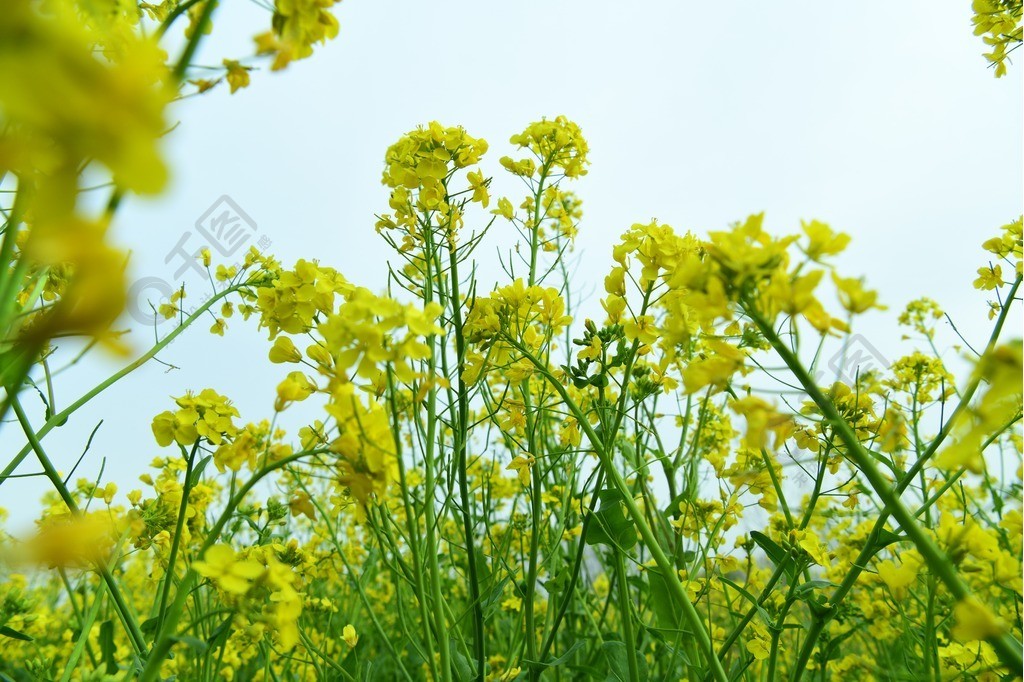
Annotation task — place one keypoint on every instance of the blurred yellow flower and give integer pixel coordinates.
(231, 573)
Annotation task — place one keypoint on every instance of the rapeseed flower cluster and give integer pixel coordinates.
(482, 486)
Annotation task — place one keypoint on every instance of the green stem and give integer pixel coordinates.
(176, 540)
(609, 430)
(412, 523)
(193, 43)
(967, 395)
(577, 564)
(85, 625)
(131, 627)
(1005, 645)
(61, 417)
(461, 434)
(777, 628)
(749, 615)
(536, 512)
(626, 614)
(354, 579)
(953, 478)
(430, 482)
(165, 640)
(870, 544)
(535, 231)
(662, 561)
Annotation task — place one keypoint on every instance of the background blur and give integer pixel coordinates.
(878, 118)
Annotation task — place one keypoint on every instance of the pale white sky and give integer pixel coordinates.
(879, 118)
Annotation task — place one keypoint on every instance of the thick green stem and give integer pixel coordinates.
(430, 482)
(202, 24)
(626, 614)
(186, 487)
(461, 434)
(8, 275)
(870, 544)
(1005, 645)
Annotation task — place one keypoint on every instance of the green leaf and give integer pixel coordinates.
(564, 658)
(197, 473)
(609, 525)
(618, 662)
(490, 597)
(107, 649)
(673, 509)
(578, 644)
(194, 643)
(666, 615)
(220, 633)
(749, 597)
(808, 588)
(883, 460)
(463, 669)
(775, 553)
(834, 649)
(887, 537)
(14, 634)
(742, 590)
(148, 626)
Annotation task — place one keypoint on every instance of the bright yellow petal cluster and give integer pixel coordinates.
(227, 570)
(206, 415)
(1000, 24)
(297, 26)
(365, 446)
(557, 144)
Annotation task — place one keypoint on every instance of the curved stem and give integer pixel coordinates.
(1006, 646)
(61, 417)
(131, 626)
(870, 543)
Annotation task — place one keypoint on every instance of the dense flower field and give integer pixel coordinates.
(492, 488)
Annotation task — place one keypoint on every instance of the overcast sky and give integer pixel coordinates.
(878, 118)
